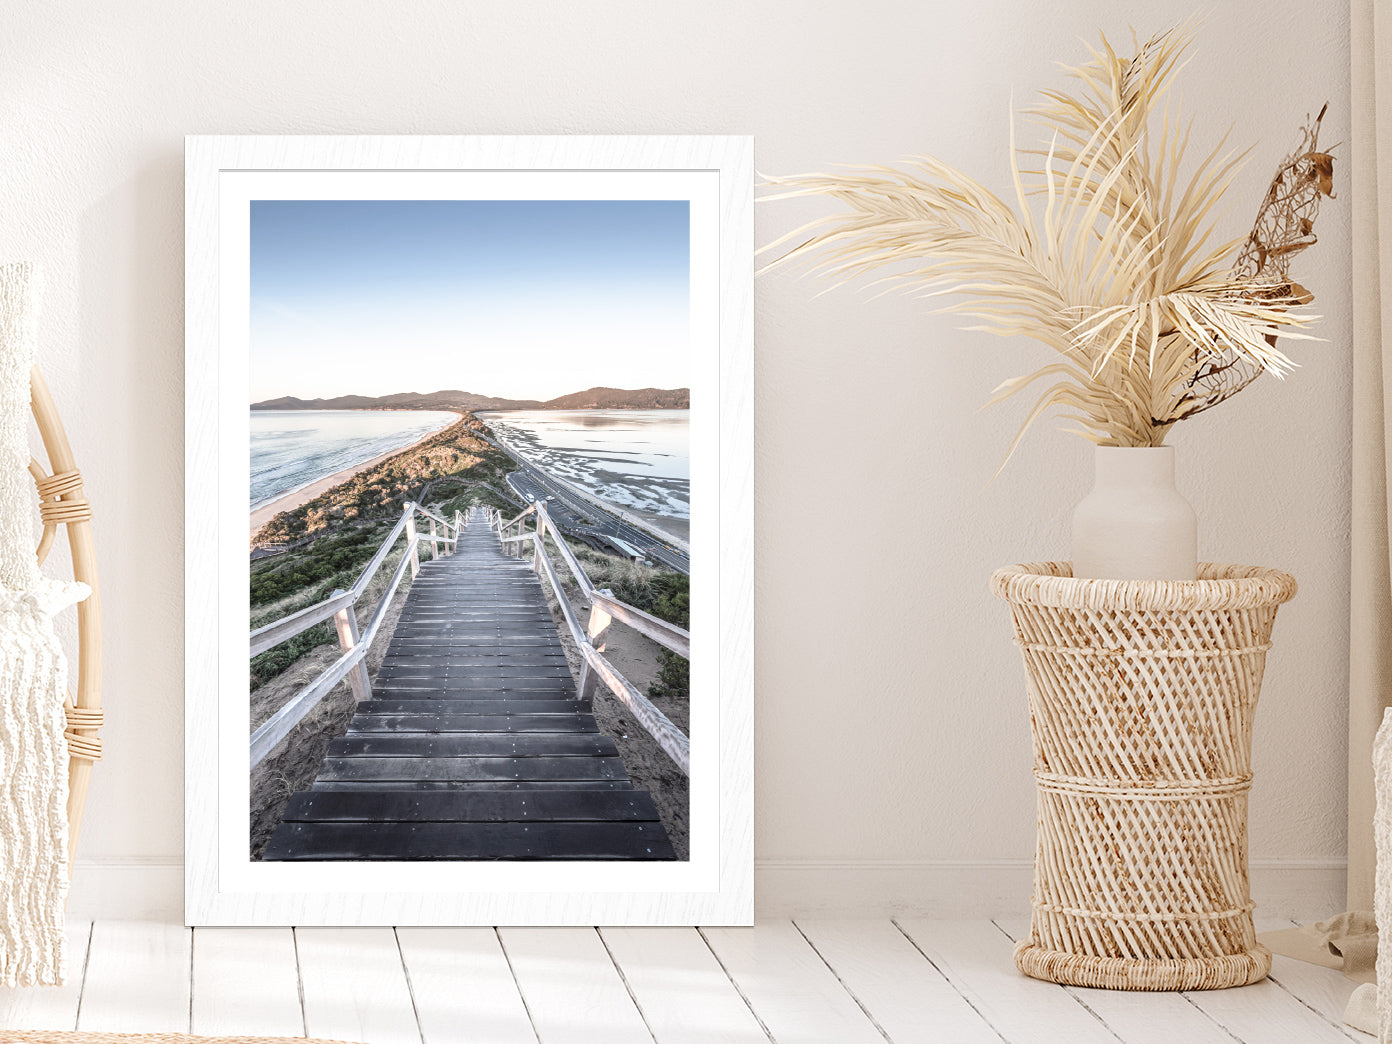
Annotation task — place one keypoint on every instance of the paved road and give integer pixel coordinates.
(582, 518)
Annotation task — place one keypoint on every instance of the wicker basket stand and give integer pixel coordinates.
(1141, 696)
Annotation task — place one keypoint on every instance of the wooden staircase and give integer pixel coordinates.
(474, 745)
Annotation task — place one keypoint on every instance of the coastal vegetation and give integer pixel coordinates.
(665, 595)
(382, 490)
(331, 537)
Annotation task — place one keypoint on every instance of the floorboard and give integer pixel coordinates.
(788, 986)
(573, 991)
(246, 983)
(355, 986)
(138, 978)
(680, 987)
(818, 980)
(1324, 990)
(1140, 1018)
(908, 998)
(976, 957)
(463, 987)
(50, 1008)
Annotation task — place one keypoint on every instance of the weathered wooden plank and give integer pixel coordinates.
(441, 672)
(468, 638)
(521, 642)
(477, 745)
(446, 675)
(464, 689)
(364, 725)
(466, 786)
(472, 769)
(425, 841)
(478, 615)
(444, 657)
(536, 702)
(505, 806)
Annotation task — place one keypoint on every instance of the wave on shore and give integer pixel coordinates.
(294, 449)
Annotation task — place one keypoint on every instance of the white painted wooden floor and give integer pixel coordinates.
(811, 980)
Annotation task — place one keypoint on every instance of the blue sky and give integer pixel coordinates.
(523, 299)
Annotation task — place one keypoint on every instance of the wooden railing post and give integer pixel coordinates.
(599, 621)
(411, 542)
(589, 683)
(434, 543)
(346, 624)
(536, 552)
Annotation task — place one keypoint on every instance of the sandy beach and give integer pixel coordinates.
(290, 501)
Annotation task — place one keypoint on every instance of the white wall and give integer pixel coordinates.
(893, 758)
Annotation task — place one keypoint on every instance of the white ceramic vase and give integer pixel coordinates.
(1134, 525)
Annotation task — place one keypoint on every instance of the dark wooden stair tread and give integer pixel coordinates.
(588, 744)
(475, 806)
(522, 703)
(422, 841)
(473, 769)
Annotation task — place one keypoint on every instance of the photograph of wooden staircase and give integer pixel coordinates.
(475, 743)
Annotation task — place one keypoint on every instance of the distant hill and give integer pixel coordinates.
(620, 399)
(591, 399)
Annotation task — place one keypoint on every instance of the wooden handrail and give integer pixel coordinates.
(661, 728)
(572, 621)
(340, 605)
(530, 509)
(272, 634)
(587, 589)
(664, 633)
(430, 514)
(664, 732)
(668, 635)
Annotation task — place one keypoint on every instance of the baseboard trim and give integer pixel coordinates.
(1298, 889)
(1304, 890)
(127, 890)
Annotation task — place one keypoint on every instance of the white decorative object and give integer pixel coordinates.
(1134, 525)
(33, 681)
(1382, 885)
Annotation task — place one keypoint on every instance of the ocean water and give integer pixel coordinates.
(639, 460)
(292, 448)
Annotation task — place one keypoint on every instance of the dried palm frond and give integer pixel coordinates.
(1119, 273)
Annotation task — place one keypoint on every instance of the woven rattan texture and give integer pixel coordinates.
(1141, 698)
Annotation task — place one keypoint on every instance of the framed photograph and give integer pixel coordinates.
(487, 402)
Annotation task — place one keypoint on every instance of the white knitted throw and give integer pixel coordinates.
(33, 681)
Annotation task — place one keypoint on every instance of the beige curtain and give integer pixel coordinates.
(1370, 663)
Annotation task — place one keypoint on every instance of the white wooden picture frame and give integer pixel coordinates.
(223, 884)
